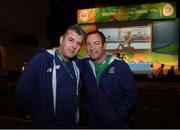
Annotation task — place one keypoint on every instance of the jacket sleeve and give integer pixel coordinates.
(129, 94)
(25, 86)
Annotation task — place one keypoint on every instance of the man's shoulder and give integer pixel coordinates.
(41, 57)
(84, 59)
(120, 61)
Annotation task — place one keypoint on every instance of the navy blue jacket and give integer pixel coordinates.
(47, 92)
(109, 103)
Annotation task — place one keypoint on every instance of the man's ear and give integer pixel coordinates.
(61, 40)
(105, 44)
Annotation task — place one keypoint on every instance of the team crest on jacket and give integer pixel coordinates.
(49, 70)
(57, 66)
(111, 70)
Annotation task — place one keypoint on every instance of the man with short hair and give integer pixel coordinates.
(48, 88)
(110, 86)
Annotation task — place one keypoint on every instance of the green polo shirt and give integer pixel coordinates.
(99, 68)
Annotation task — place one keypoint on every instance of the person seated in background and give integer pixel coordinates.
(171, 75)
(159, 73)
(150, 73)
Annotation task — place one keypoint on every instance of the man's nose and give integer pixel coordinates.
(74, 45)
(91, 46)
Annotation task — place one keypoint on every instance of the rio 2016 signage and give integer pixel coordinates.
(124, 13)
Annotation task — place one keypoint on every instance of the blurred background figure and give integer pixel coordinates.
(160, 72)
(150, 73)
(171, 75)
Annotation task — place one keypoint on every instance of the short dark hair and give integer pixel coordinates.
(172, 67)
(162, 65)
(100, 34)
(75, 28)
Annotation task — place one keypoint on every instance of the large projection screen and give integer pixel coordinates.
(132, 41)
